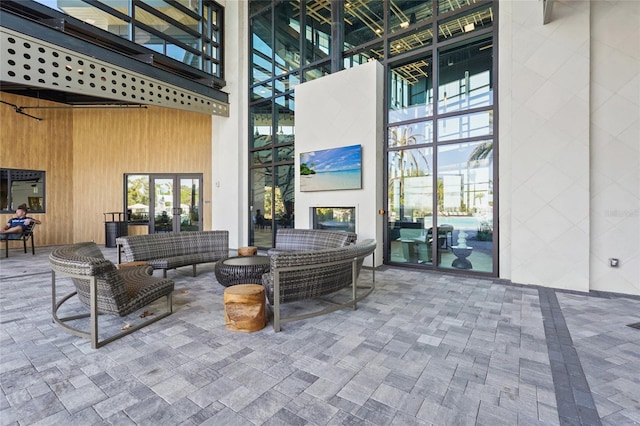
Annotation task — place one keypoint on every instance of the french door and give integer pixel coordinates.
(175, 203)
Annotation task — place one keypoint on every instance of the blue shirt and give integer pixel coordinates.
(20, 222)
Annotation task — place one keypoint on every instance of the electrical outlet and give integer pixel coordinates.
(613, 262)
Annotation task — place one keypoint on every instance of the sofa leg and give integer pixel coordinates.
(354, 283)
(276, 302)
(194, 270)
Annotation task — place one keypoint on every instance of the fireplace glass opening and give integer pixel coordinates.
(334, 218)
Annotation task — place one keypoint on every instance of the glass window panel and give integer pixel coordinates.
(404, 14)
(286, 119)
(317, 31)
(261, 206)
(363, 56)
(363, 22)
(317, 72)
(445, 6)
(190, 4)
(149, 40)
(287, 82)
(215, 16)
(411, 42)
(262, 45)
(410, 195)
(165, 27)
(94, 16)
(18, 187)
(404, 166)
(138, 198)
(465, 126)
(260, 158)
(411, 90)
(206, 48)
(287, 43)
(262, 125)
(286, 153)
(411, 134)
(264, 91)
(465, 205)
(284, 196)
(181, 54)
(473, 21)
(257, 5)
(465, 74)
(171, 12)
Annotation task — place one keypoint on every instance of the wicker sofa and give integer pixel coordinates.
(174, 249)
(104, 289)
(291, 240)
(302, 275)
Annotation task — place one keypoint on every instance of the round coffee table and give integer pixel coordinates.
(241, 269)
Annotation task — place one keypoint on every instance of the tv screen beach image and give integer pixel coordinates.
(331, 169)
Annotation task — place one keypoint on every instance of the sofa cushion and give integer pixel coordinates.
(289, 239)
(317, 276)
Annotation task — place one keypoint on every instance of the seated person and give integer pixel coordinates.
(20, 223)
(259, 219)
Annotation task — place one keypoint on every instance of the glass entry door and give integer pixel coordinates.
(175, 203)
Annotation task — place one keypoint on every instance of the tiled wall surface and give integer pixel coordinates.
(615, 145)
(569, 145)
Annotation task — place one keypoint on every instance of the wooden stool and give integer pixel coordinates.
(247, 251)
(244, 307)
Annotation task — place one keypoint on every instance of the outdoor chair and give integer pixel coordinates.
(105, 289)
(24, 236)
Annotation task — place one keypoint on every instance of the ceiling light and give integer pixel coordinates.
(469, 27)
(404, 24)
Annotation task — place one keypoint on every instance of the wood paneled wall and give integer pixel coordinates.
(46, 145)
(86, 153)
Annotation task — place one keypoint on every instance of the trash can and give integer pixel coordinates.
(113, 228)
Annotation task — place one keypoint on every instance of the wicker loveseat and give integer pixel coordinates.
(105, 289)
(303, 275)
(174, 249)
(291, 240)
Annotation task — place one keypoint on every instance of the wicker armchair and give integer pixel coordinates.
(105, 289)
(306, 275)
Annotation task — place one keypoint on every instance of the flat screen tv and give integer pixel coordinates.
(331, 169)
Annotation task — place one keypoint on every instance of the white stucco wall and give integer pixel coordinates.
(569, 155)
(338, 110)
(545, 169)
(229, 194)
(615, 146)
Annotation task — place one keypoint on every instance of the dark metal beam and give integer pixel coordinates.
(547, 6)
(133, 61)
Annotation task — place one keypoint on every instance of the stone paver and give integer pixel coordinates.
(422, 349)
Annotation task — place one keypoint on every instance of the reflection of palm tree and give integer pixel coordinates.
(402, 137)
(481, 152)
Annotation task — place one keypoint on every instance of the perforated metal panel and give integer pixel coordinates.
(33, 62)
